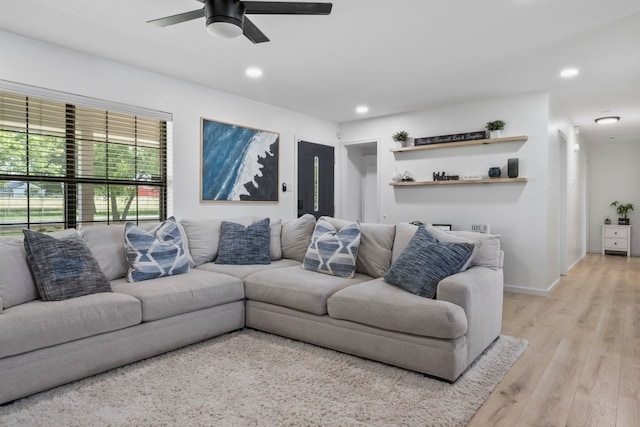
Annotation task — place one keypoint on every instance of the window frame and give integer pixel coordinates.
(72, 177)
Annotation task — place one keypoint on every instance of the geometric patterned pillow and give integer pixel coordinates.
(332, 252)
(63, 268)
(240, 245)
(156, 253)
(425, 262)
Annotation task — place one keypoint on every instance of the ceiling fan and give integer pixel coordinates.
(226, 18)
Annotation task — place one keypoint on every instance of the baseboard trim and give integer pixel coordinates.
(532, 291)
(578, 261)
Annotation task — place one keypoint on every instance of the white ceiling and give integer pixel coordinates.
(393, 56)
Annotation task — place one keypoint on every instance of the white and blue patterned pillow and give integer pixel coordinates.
(156, 253)
(240, 245)
(333, 252)
(425, 262)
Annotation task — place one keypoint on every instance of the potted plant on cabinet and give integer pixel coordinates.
(400, 138)
(623, 210)
(495, 128)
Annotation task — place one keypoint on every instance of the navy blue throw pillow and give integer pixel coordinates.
(240, 245)
(63, 268)
(425, 262)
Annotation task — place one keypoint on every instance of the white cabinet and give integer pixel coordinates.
(616, 238)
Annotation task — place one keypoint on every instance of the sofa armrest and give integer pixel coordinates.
(479, 291)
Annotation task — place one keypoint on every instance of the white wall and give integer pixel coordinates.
(516, 211)
(370, 188)
(575, 192)
(613, 175)
(39, 64)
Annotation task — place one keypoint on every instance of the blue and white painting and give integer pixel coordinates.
(238, 163)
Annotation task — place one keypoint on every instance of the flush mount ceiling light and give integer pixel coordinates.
(567, 73)
(361, 109)
(607, 120)
(254, 72)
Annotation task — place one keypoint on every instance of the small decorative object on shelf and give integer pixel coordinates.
(396, 176)
(623, 210)
(607, 220)
(512, 168)
(406, 177)
(494, 172)
(456, 137)
(443, 227)
(442, 176)
(400, 138)
(495, 128)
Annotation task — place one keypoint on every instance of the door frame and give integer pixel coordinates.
(297, 139)
(563, 143)
(343, 170)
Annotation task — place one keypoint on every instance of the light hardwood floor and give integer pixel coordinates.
(582, 366)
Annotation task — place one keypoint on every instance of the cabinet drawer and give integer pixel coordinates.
(620, 233)
(616, 244)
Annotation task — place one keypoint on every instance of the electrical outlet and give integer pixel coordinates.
(481, 228)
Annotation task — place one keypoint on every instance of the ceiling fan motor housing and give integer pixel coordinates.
(230, 11)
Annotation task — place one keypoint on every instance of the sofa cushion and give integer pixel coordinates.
(424, 263)
(203, 236)
(63, 268)
(404, 234)
(39, 324)
(296, 236)
(240, 245)
(376, 243)
(377, 303)
(487, 251)
(242, 271)
(17, 287)
(275, 243)
(156, 253)
(296, 288)
(107, 246)
(333, 252)
(169, 296)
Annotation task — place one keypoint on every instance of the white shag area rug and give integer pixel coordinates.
(250, 378)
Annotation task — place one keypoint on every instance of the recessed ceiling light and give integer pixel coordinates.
(361, 109)
(607, 120)
(254, 72)
(567, 73)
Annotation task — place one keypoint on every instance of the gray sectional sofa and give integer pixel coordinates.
(47, 343)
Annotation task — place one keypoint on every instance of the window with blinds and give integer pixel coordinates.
(66, 166)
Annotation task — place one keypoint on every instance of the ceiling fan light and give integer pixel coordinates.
(607, 120)
(225, 30)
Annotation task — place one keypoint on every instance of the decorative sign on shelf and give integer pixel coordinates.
(444, 177)
(456, 137)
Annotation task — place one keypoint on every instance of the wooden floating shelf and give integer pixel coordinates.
(460, 144)
(459, 182)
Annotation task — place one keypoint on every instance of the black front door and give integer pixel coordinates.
(315, 179)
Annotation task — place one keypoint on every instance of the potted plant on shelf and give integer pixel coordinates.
(623, 210)
(495, 128)
(400, 138)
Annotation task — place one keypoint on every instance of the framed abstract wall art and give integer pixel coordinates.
(237, 163)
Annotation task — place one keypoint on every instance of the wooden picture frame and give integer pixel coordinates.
(238, 163)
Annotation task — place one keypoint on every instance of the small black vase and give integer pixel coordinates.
(494, 172)
(512, 168)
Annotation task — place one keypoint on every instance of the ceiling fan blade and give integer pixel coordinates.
(176, 19)
(252, 32)
(287, 8)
